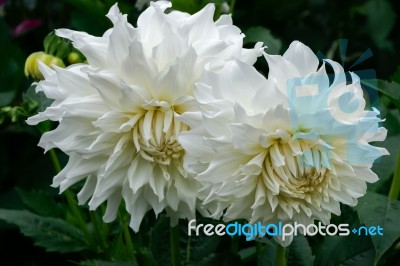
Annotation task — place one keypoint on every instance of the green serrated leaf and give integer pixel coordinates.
(41, 203)
(341, 250)
(261, 34)
(299, 252)
(51, 233)
(390, 90)
(375, 209)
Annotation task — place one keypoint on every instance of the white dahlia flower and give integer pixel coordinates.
(288, 148)
(117, 115)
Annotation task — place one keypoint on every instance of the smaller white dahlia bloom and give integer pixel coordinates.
(288, 148)
(117, 114)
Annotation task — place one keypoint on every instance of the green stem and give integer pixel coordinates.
(259, 251)
(259, 247)
(73, 206)
(188, 249)
(100, 233)
(234, 244)
(56, 162)
(280, 256)
(395, 187)
(70, 200)
(232, 6)
(174, 242)
(128, 239)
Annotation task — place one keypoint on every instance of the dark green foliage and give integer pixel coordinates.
(299, 252)
(375, 209)
(51, 233)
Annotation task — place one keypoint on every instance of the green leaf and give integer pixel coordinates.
(390, 90)
(145, 257)
(51, 233)
(384, 166)
(202, 246)
(117, 249)
(375, 209)
(37, 97)
(381, 18)
(41, 203)
(266, 255)
(299, 252)
(261, 34)
(343, 250)
(57, 46)
(248, 254)
(364, 258)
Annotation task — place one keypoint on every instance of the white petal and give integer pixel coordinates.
(113, 203)
(302, 58)
(138, 174)
(87, 190)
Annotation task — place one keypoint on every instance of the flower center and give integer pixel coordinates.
(295, 169)
(154, 136)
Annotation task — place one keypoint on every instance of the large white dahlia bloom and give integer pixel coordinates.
(117, 114)
(288, 148)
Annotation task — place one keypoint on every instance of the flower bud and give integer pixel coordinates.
(32, 67)
(74, 58)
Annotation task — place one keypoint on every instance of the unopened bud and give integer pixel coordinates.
(74, 58)
(32, 67)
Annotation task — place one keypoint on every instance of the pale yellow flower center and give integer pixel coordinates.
(285, 169)
(155, 136)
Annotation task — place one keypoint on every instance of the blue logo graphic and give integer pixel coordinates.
(338, 108)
